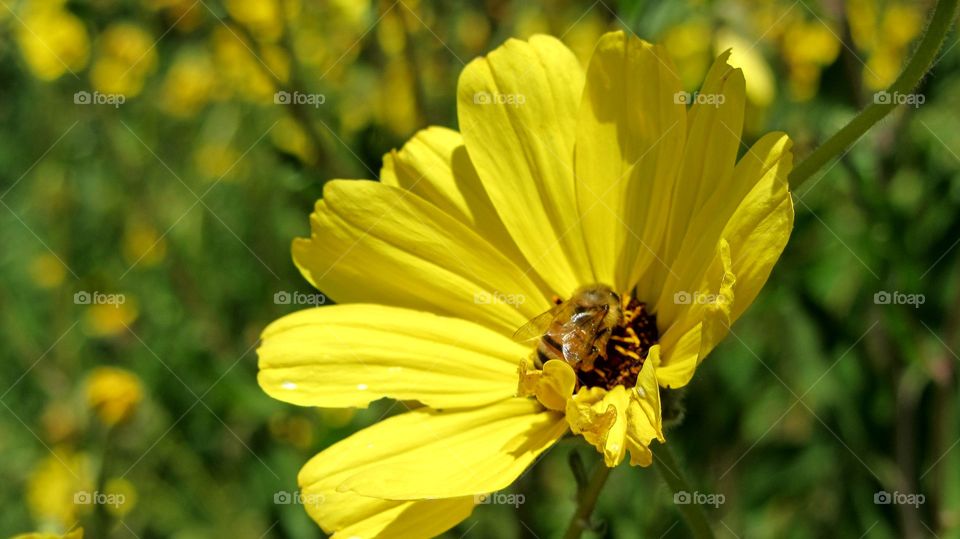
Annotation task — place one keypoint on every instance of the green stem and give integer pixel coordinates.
(692, 513)
(586, 501)
(919, 64)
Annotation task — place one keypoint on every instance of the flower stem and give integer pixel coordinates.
(692, 513)
(920, 63)
(586, 501)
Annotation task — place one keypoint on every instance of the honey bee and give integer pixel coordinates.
(576, 330)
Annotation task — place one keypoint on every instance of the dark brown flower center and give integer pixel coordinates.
(627, 349)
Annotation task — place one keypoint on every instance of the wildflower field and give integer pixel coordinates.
(619, 273)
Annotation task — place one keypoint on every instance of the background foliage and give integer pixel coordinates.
(184, 199)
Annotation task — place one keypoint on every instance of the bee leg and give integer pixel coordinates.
(601, 343)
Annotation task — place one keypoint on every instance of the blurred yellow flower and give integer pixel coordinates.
(126, 54)
(189, 84)
(122, 494)
(52, 40)
(264, 18)
(391, 33)
(54, 485)
(47, 271)
(560, 177)
(242, 72)
(290, 138)
(473, 30)
(113, 394)
(216, 160)
(59, 421)
(689, 44)
(398, 100)
(582, 35)
(884, 35)
(75, 534)
(107, 320)
(530, 19)
(352, 13)
(808, 47)
(142, 244)
(745, 55)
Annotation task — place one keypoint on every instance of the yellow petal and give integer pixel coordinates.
(744, 237)
(434, 165)
(347, 515)
(620, 419)
(75, 534)
(432, 454)
(714, 126)
(517, 110)
(351, 355)
(630, 137)
(647, 400)
(600, 416)
(380, 244)
(553, 386)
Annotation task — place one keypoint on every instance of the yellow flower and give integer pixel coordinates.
(217, 160)
(47, 271)
(52, 40)
(288, 136)
(808, 46)
(241, 72)
(561, 177)
(884, 36)
(53, 486)
(113, 394)
(127, 54)
(689, 46)
(110, 319)
(75, 534)
(122, 496)
(189, 84)
(143, 244)
(263, 17)
(745, 55)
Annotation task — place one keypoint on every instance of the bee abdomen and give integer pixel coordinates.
(548, 348)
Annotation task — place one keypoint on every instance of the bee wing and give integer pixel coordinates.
(536, 327)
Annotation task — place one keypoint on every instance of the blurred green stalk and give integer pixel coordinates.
(587, 497)
(692, 513)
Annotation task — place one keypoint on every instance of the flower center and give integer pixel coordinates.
(627, 349)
